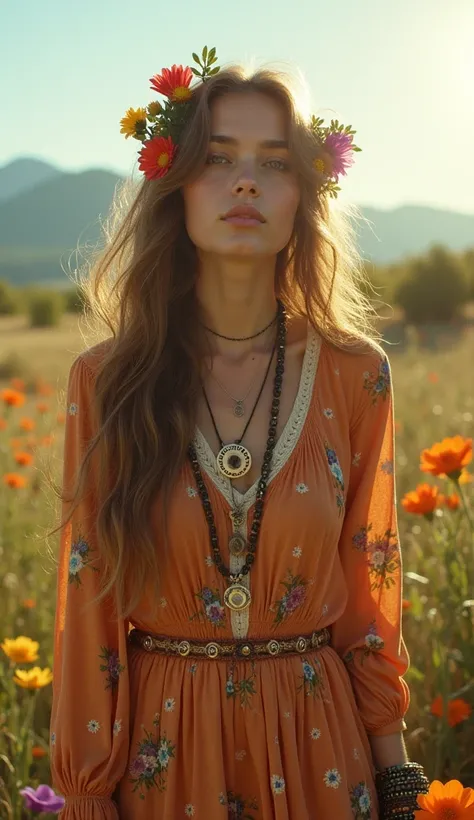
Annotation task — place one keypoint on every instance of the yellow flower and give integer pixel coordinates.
(33, 678)
(154, 108)
(21, 649)
(134, 120)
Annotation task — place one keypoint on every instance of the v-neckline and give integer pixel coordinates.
(286, 442)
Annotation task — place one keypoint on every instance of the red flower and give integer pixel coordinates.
(156, 157)
(458, 710)
(173, 83)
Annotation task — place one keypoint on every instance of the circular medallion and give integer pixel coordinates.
(237, 544)
(234, 460)
(239, 409)
(237, 597)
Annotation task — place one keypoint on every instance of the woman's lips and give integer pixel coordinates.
(243, 221)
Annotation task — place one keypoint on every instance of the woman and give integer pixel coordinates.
(227, 639)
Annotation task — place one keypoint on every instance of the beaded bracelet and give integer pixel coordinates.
(398, 788)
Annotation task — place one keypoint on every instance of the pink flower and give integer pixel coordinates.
(339, 148)
(294, 598)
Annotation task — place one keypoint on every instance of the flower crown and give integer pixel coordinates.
(334, 143)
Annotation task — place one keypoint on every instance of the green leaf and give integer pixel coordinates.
(196, 59)
(204, 54)
(212, 55)
(214, 70)
(195, 71)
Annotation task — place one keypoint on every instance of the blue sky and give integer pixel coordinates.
(401, 73)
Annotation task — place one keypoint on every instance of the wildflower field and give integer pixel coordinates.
(434, 411)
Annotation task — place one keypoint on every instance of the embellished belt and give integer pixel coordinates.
(229, 649)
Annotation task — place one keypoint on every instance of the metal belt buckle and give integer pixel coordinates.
(301, 644)
(212, 650)
(184, 648)
(148, 643)
(273, 647)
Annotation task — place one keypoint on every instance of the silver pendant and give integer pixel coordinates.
(237, 544)
(234, 461)
(239, 409)
(237, 597)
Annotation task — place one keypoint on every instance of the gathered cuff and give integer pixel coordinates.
(85, 807)
(392, 728)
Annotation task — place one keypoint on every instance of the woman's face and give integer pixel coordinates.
(242, 170)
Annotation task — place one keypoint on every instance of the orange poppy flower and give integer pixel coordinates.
(27, 424)
(3, 424)
(14, 480)
(451, 501)
(421, 501)
(447, 457)
(23, 459)
(458, 710)
(406, 604)
(16, 442)
(13, 398)
(18, 384)
(44, 389)
(28, 603)
(42, 407)
(46, 441)
(38, 752)
(465, 477)
(61, 418)
(433, 378)
(448, 801)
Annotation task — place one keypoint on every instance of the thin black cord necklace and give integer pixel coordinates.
(243, 338)
(234, 460)
(237, 597)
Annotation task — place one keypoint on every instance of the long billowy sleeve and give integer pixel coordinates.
(90, 713)
(368, 635)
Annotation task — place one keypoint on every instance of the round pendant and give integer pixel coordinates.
(237, 544)
(239, 409)
(234, 460)
(237, 597)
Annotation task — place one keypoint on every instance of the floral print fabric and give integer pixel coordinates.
(137, 735)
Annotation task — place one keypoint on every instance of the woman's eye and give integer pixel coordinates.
(277, 164)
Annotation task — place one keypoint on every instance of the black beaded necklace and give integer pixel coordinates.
(237, 597)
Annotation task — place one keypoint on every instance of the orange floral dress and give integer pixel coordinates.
(138, 735)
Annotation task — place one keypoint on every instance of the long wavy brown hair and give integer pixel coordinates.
(140, 287)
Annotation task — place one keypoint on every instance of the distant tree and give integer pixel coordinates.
(433, 288)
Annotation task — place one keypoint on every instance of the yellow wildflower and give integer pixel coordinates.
(21, 649)
(33, 678)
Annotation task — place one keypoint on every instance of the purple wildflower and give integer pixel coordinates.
(42, 799)
(339, 147)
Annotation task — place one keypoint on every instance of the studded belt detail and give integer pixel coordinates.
(226, 649)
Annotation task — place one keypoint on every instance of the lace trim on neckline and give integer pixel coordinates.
(288, 438)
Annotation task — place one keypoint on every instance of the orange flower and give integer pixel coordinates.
(173, 82)
(38, 752)
(23, 459)
(13, 398)
(61, 418)
(156, 157)
(18, 384)
(451, 501)
(448, 457)
(14, 480)
(42, 407)
(433, 378)
(46, 441)
(406, 604)
(448, 801)
(465, 477)
(44, 389)
(421, 501)
(458, 710)
(29, 603)
(27, 424)
(16, 442)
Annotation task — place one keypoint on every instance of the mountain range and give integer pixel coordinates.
(45, 213)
